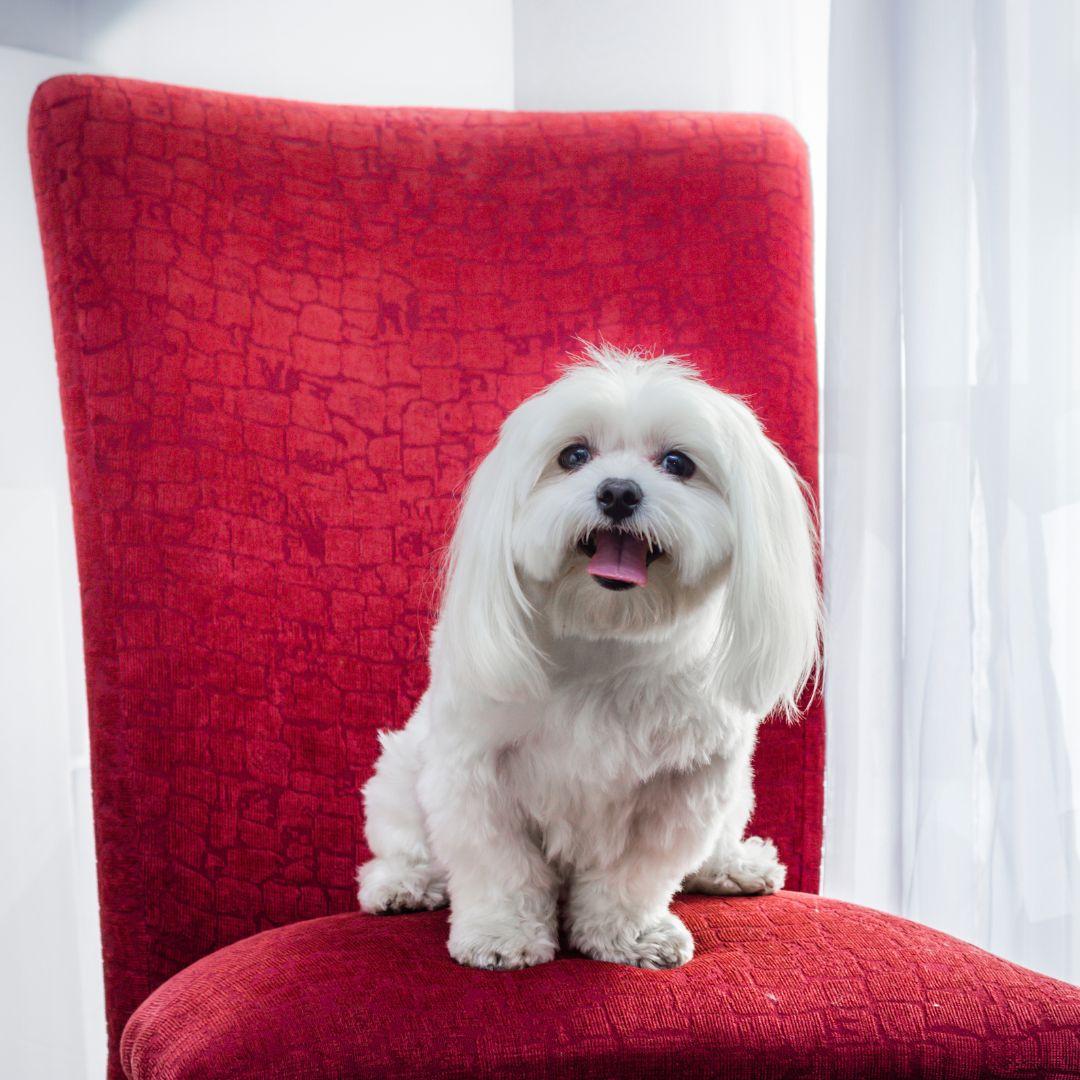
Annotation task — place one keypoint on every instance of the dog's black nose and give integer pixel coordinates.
(618, 498)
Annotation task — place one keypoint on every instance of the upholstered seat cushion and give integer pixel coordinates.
(789, 985)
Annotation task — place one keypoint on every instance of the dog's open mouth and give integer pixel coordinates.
(618, 560)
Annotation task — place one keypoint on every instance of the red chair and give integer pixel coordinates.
(285, 332)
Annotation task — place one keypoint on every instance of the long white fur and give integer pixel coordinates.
(587, 745)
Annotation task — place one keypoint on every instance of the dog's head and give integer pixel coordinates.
(625, 498)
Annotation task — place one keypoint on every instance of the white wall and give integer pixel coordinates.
(419, 52)
(51, 1001)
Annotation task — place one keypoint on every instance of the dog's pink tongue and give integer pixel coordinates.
(621, 557)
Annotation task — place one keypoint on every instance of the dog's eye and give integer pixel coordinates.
(678, 464)
(573, 457)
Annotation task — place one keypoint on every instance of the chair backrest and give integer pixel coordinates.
(285, 333)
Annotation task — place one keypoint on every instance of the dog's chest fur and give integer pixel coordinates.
(601, 752)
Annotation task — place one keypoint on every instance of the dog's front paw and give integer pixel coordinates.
(749, 869)
(394, 885)
(501, 945)
(662, 942)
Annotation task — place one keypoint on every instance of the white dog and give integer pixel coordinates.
(631, 588)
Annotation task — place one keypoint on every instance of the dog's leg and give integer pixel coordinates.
(738, 866)
(619, 910)
(503, 893)
(749, 867)
(403, 875)
(621, 914)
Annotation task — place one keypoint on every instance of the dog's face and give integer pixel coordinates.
(626, 525)
(620, 501)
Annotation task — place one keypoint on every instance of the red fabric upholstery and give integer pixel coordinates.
(790, 985)
(285, 332)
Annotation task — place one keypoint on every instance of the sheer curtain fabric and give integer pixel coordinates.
(952, 505)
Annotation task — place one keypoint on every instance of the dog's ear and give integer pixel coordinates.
(771, 634)
(484, 640)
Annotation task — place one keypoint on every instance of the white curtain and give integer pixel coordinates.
(952, 452)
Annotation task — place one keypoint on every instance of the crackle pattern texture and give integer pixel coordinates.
(783, 986)
(285, 333)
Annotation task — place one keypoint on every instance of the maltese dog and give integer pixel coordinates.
(630, 590)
